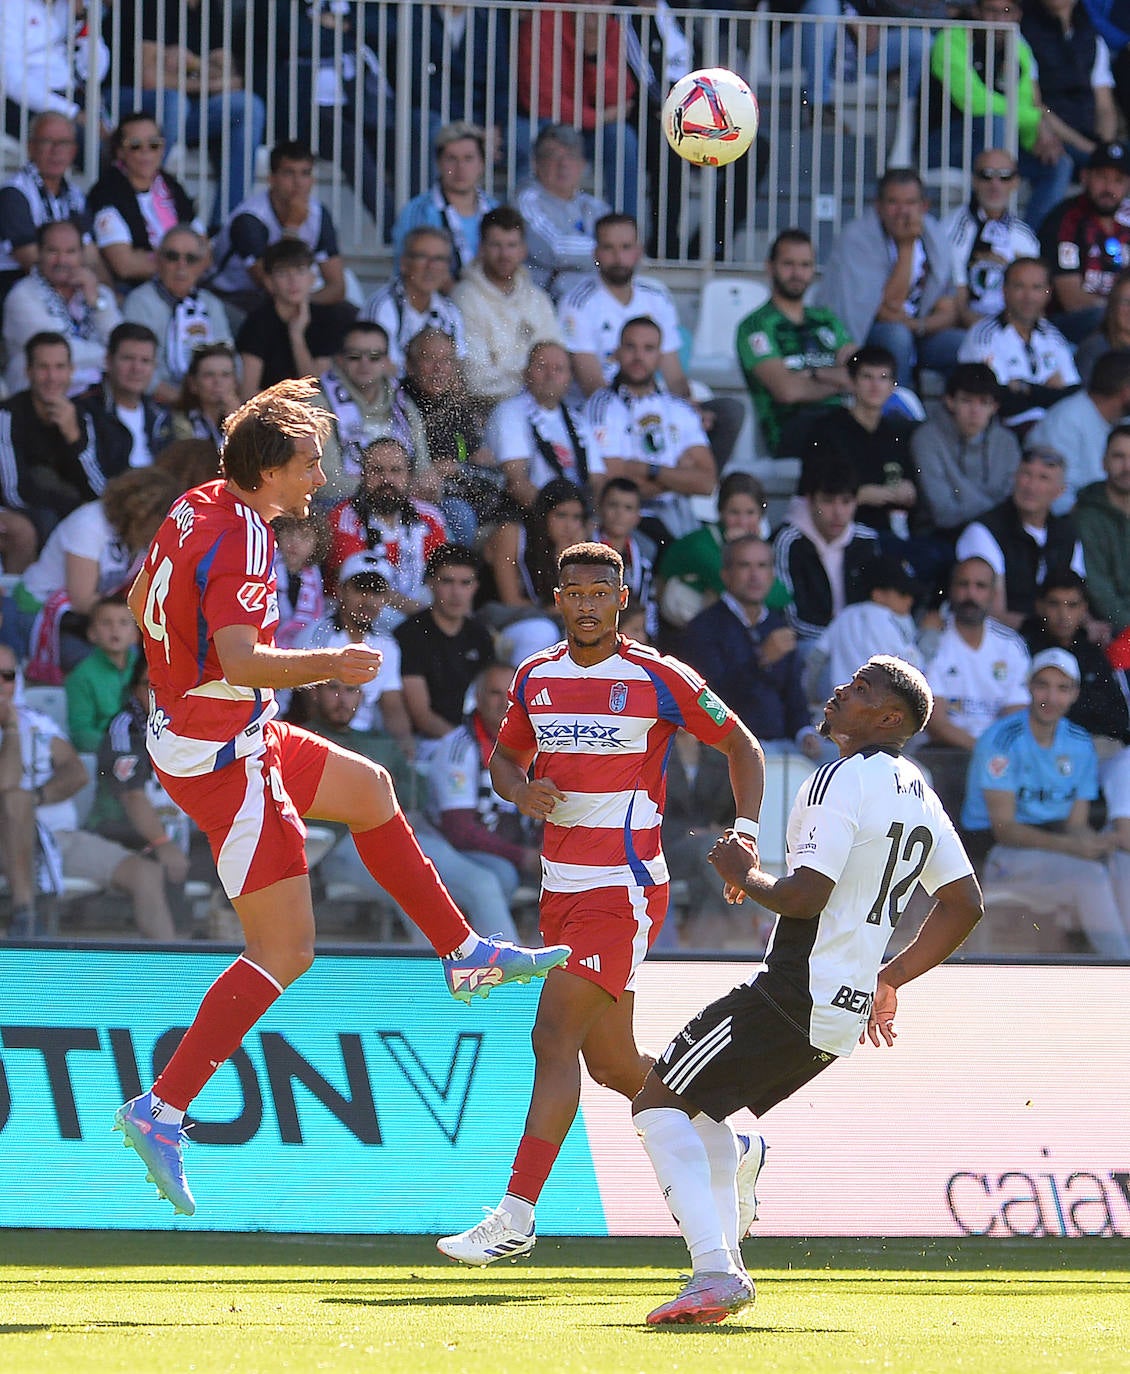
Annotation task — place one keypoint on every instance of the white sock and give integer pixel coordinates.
(161, 1111)
(723, 1151)
(521, 1212)
(681, 1165)
(467, 948)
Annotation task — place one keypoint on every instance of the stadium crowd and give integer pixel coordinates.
(517, 385)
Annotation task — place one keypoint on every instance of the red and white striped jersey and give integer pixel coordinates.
(211, 565)
(603, 735)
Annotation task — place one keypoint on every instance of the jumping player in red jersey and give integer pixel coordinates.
(596, 717)
(207, 604)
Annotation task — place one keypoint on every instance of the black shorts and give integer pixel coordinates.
(740, 1051)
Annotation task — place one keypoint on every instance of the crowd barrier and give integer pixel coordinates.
(366, 1102)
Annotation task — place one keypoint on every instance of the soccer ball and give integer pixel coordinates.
(710, 117)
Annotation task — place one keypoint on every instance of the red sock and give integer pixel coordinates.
(231, 1006)
(393, 856)
(531, 1168)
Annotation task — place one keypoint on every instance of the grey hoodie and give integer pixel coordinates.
(960, 479)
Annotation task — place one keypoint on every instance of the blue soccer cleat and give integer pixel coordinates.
(749, 1167)
(705, 1300)
(159, 1145)
(495, 962)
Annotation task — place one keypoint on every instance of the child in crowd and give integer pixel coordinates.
(618, 514)
(95, 687)
(301, 547)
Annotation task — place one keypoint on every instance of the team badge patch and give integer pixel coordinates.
(1063, 766)
(998, 765)
(714, 707)
(617, 697)
(1000, 670)
(125, 765)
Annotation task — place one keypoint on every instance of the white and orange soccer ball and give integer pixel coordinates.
(710, 117)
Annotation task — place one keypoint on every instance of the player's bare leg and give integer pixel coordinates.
(610, 1051)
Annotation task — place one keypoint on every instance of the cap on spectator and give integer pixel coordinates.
(461, 128)
(367, 566)
(1067, 663)
(1115, 155)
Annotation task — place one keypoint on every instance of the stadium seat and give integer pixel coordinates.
(725, 302)
(48, 701)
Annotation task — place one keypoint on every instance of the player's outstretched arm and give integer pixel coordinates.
(801, 896)
(247, 663)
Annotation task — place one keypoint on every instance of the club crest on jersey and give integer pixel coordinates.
(252, 596)
(617, 697)
(998, 765)
(1063, 766)
(125, 765)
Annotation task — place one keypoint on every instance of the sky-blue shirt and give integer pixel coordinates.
(1046, 782)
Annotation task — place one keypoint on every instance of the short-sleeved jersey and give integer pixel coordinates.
(1046, 782)
(1034, 360)
(253, 227)
(518, 423)
(211, 565)
(603, 734)
(766, 333)
(1076, 241)
(871, 824)
(459, 780)
(978, 684)
(591, 318)
(982, 248)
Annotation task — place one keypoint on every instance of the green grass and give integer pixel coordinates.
(99, 1301)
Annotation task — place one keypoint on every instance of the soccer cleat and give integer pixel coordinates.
(749, 1168)
(494, 1238)
(159, 1146)
(705, 1300)
(496, 962)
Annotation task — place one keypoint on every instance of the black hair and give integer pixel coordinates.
(872, 355)
(827, 473)
(974, 379)
(909, 685)
(589, 555)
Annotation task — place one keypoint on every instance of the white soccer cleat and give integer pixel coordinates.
(749, 1169)
(494, 1238)
(705, 1300)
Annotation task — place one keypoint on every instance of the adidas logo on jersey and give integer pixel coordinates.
(591, 961)
(542, 698)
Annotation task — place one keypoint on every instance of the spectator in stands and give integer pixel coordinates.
(1112, 334)
(286, 208)
(963, 459)
(1032, 780)
(181, 313)
(443, 648)
(301, 547)
(134, 203)
(1102, 514)
(358, 391)
(460, 457)
(50, 457)
(125, 414)
(40, 772)
(1021, 540)
(890, 278)
(821, 553)
(361, 591)
(560, 217)
(292, 335)
(95, 687)
(985, 236)
(654, 438)
(1031, 359)
(747, 653)
(209, 394)
(382, 519)
(1078, 426)
(618, 525)
(94, 552)
(335, 708)
(875, 446)
(455, 201)
(793, 355)
(42, 60)
(413, 300)
(1087, 243)
(691, 570)
(963, 105)
(60, 295)
(461, 798)
(538, 436)
(504, 313)
(201, 94)
(1060, 622)
(41, 191)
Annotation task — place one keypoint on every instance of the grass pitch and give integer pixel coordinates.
(76, 1301)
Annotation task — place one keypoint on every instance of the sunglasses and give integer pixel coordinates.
(136, 145)
(193, 259)
(7, 674)
(995, 174)
(356, 355)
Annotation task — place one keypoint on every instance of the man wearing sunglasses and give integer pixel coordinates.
(177, 309)
(985, 236)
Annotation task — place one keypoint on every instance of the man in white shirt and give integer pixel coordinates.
(124, 400)
(537, 436)
(413, 301)
(560, 217)
(651, 437)
(504, 313)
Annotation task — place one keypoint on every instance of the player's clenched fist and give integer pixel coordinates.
(733, 856)
(357, 664)
(538, 798)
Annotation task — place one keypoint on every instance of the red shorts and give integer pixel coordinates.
(251, 810)
(610, 929)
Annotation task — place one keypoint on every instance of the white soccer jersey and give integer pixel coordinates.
(511, 435)
(592, 318)
(978, 684)
(871, 824)
(1045, 355)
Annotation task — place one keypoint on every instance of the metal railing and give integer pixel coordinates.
(365, 86)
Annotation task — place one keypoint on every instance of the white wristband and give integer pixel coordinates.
(744, 826)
